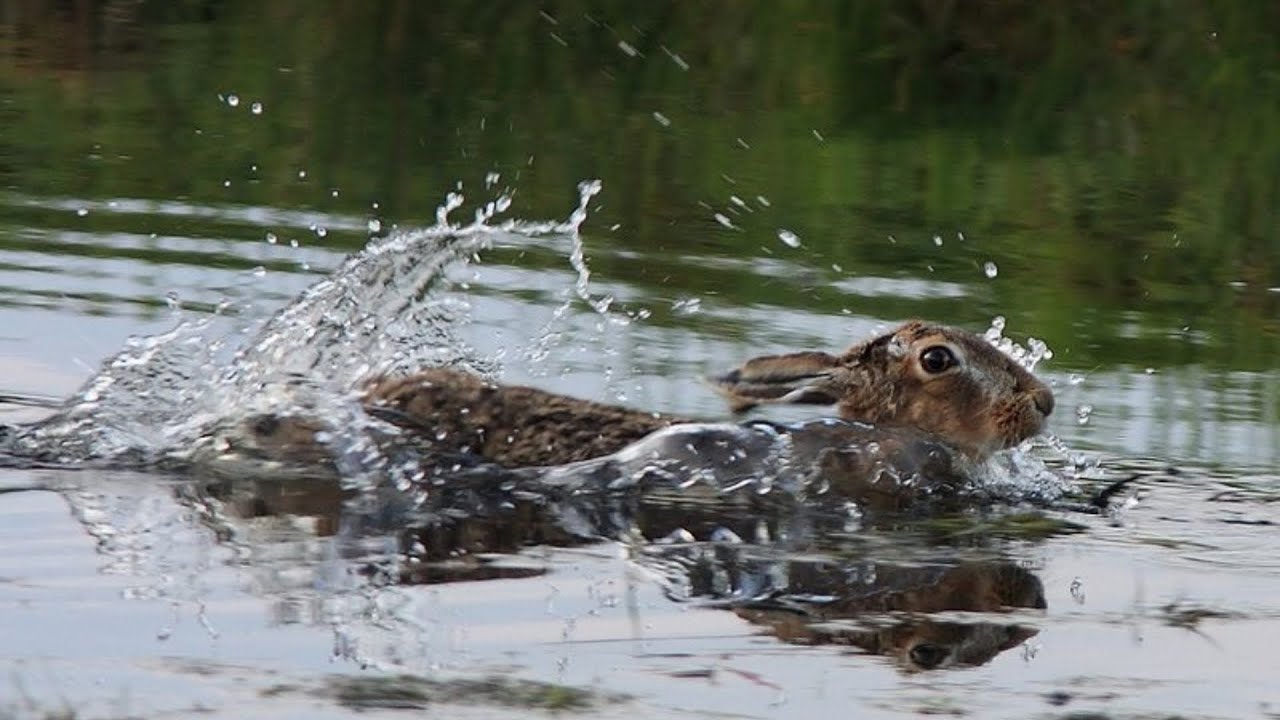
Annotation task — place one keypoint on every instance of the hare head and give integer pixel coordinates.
(941, 380)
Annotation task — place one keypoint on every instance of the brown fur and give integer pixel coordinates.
(510, 425)
(986, 402)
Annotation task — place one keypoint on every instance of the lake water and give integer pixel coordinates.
(772, 177)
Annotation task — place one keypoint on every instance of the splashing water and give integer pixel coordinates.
(390, 308)
(1028, 357)
(386, 309)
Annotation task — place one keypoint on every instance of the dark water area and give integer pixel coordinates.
(774, 176)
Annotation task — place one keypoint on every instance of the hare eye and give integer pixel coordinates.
(937, 359)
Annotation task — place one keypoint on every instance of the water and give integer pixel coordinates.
(774, 180)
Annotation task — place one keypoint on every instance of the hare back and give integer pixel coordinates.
(513, 426)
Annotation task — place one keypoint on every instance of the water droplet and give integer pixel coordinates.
(302, 174)
(233, 100)
(724, 220)
(937, 240)
(764, 201)
(172, 300)
(259, 271)
(1077, 590)
(322, 231)
(253, 168)
(989, 269)
(293, 243)
(1150, 371)
(226, 183)
(788, 238)
(272, 239)
(819, 137)
(491, 179)
(628, 48)
(687, 306)
(82, 212)
(1082, 414)
(333, 192)
(375, 225)
(256, 108)
(663, 120)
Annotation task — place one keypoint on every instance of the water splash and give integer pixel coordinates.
(390, 308)
(1028, 356)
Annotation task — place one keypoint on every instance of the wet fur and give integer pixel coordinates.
(987, 402)
(513, 426)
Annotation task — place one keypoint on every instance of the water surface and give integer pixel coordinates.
(774, 178)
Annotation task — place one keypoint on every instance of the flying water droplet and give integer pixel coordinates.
(990, 270)
(663, 120)
(687, 306)
(1077, 591)
(256, 108)
(788, 238)
(233, 100)
(82, 212)
(937, 240)
(1082, 414)
(375, 225)
(272, 239)
(452, 202)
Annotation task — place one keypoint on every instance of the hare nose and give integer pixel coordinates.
(1043, 398)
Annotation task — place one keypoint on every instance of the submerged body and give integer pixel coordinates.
(920, 397)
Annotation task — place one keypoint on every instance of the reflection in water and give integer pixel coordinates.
(884, 609)
(842, 596)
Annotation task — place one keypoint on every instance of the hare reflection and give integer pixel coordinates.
(880, 607)
(885, 609)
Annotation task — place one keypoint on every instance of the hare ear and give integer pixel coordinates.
(803, 377)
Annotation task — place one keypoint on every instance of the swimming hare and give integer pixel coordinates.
(945, 383)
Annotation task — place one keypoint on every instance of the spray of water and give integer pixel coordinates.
(389, 308)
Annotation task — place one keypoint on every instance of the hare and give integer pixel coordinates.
(941, 382)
